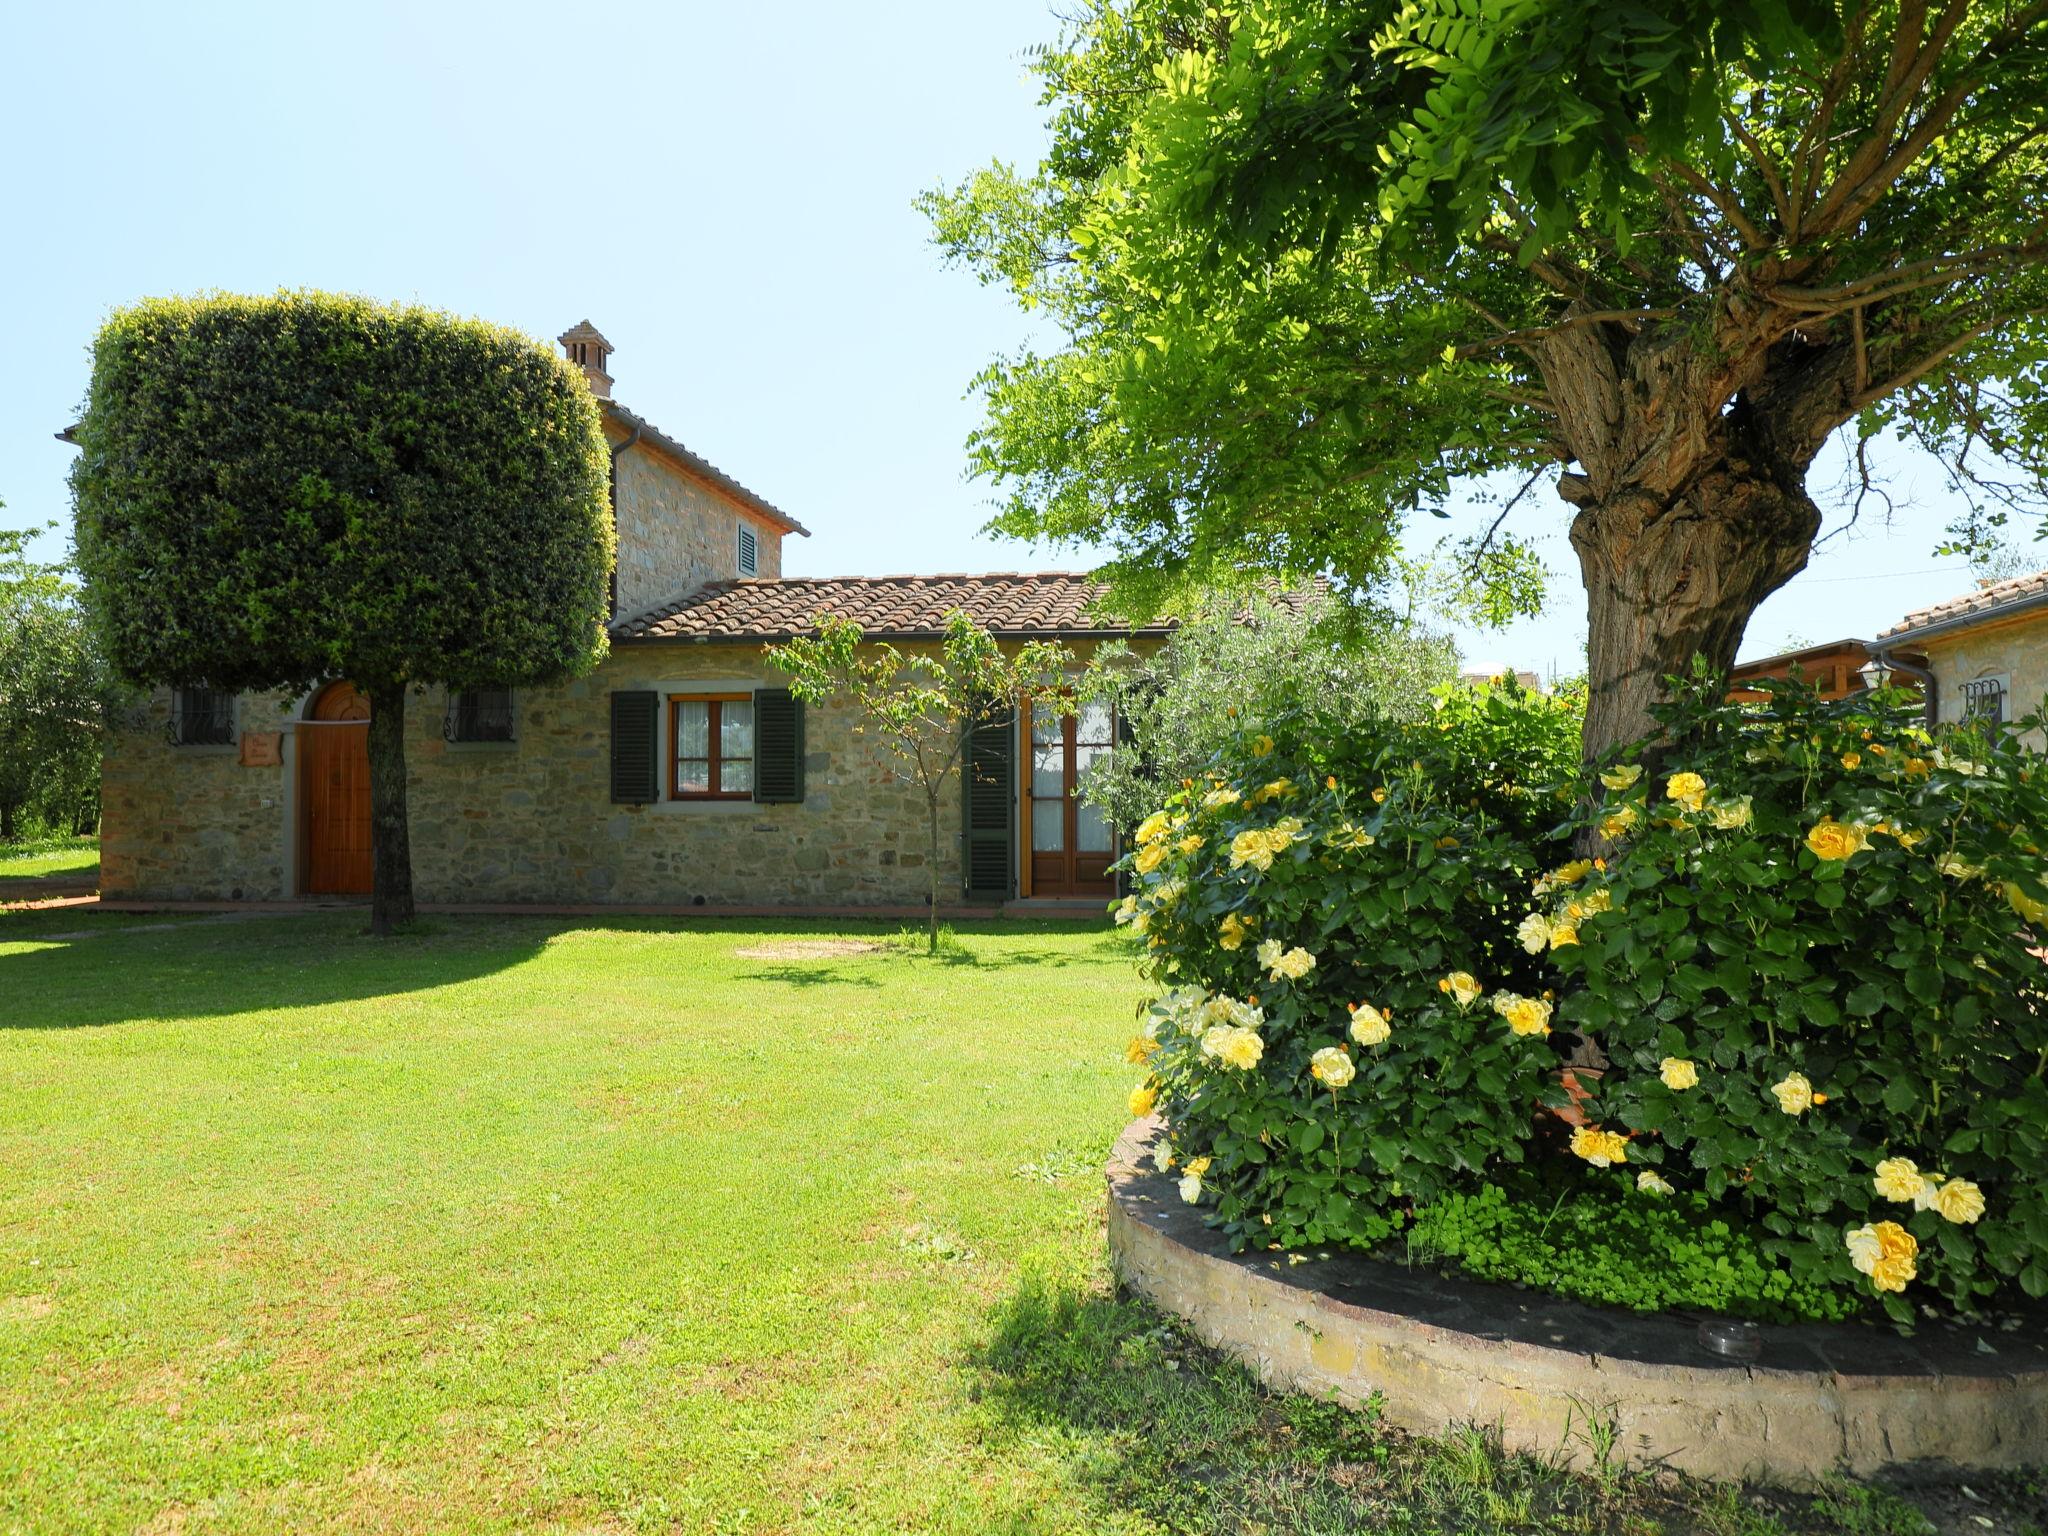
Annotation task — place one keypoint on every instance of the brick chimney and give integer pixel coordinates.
(588, 351)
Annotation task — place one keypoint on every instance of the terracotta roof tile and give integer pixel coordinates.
(1004, 602)
(1989, 597)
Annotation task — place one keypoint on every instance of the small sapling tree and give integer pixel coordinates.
(923, 704)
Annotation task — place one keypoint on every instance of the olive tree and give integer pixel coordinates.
(273, 491)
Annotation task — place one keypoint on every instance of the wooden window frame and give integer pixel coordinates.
(714, 723)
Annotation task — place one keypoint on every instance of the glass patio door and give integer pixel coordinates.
(1071, 845)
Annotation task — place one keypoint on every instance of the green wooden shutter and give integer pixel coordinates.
(778, 747)
(989, 818)
(636, 777)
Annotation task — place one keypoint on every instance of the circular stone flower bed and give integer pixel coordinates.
(1442, 1352)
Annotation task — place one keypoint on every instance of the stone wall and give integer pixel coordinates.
(1437, 1353)
(190, 823)
(532, 820)
(676, 532)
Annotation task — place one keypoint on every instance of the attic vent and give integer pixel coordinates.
(750, 553)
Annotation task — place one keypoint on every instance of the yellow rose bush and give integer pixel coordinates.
(1330, 917)
(1812, 977)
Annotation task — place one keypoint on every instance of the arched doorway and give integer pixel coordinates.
(334, 784)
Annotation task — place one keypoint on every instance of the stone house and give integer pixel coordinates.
(1983, 653)
(679, 772)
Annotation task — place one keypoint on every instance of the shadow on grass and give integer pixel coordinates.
(816, 975)
(99, 968)
(1161, 1432)
(111, 968)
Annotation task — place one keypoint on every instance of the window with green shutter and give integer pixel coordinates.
(636, 778)
(778, 747)
(989, 816)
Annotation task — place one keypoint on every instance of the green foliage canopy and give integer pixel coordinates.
(1313, 267)
(276, 490)
(1226, 666)
(53, 694)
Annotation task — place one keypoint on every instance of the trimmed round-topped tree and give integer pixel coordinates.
(275, 491)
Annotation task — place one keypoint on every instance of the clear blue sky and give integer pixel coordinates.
(724, 190)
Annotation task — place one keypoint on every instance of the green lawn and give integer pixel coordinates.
(77, 857)
(560, 1225)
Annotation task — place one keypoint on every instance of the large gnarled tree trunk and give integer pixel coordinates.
(1691, 497)
(391, 903)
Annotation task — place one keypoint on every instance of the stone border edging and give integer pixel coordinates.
(1445, 1352)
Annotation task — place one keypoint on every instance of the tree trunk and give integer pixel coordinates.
(1668, 581)
(931, 864)
(391, 904)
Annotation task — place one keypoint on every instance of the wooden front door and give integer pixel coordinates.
(334, 783)
(1071, 844)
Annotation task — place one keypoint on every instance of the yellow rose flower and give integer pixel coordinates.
(1262, 746)
(1143, 1097)
(1369, 1026)
(1379, 797)
(1126, 909)
(1331, 1066)
(1272, 791)
(1601, 900)
(1794, 1094)
(1564, 874)
(1598, 1147)
(1152, 828)
(1687, 789)
(1525, 1015)
(1834, 840)
(1461, 986)
(1650, 1182)
(1267, 952)
(1217, 799)
(1293, 965)
(1852, 760)
(1909, 837)
(1234, 1046)
(1149, 858)
(2033, 911)
(1957, 867)
(1234, 931)
(1192, 843)
(1917, 767)
(1678, 1073)
(1622, 776)
(1534, 932)
(1885, 1251)
(1898, 1178)
(1617, 823)
(1730, 815)
(1562, 934)
(1191, 1189)
(1251, 847)
(1959, 1201)
(1140, 1050)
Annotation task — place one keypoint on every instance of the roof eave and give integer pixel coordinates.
(700, 465)
(1970, 620)
(891, 636)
